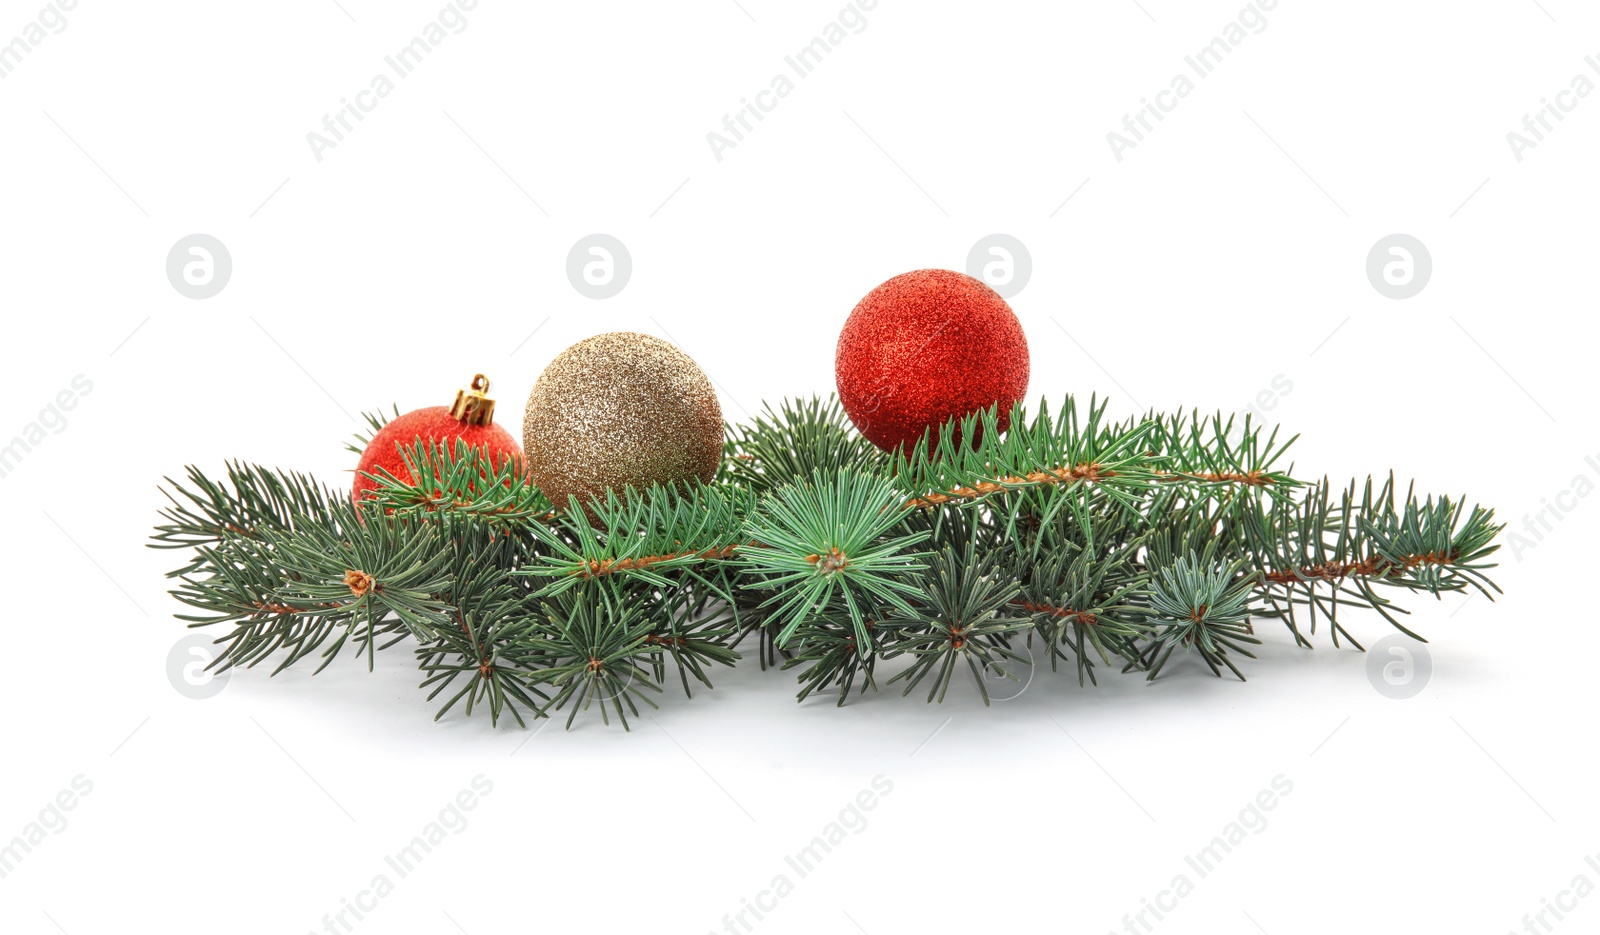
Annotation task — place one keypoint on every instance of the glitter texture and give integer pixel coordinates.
(435, 424)
(620, 409)
(924, 347)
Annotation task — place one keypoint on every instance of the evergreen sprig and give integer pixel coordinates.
(830, 539)
(448, 479)
(964, 615)
(1100, 542)
(640, 535)
(802, 438)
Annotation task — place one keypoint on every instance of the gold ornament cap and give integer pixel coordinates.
(473, 405)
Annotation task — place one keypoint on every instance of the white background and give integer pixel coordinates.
(1224, 251)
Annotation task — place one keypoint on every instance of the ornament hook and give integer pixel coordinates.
(473, 406)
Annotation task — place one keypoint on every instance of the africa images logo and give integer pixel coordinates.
(52, 420)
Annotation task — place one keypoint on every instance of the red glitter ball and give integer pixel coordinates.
(925, 347)
(435, 424)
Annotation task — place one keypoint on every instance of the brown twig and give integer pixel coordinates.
(1373, 567)
(1088, 472)
(597, 568)
(272, 608)
(1065, 613)
(1084, 472)
(1249, 478)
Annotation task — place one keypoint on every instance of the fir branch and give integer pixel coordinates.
(803, 437)
(644, 535)
(1200, 604)
(1205, 450)
(250, 502)
(830, 535)
(693, 629)
(969, 459)
(463, 480)
(485, 647)
(1322, 553)
(828, 653)
(596, 652)
(961, 617)
(375, 423)
(1085, 587)
(1106, 541)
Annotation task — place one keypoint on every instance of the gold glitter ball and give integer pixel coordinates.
(620, 409)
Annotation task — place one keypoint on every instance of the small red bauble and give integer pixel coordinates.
(925, 347)
(470, 419)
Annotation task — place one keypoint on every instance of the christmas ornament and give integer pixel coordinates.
(470, 417)
(620, 409)
(924, 347)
